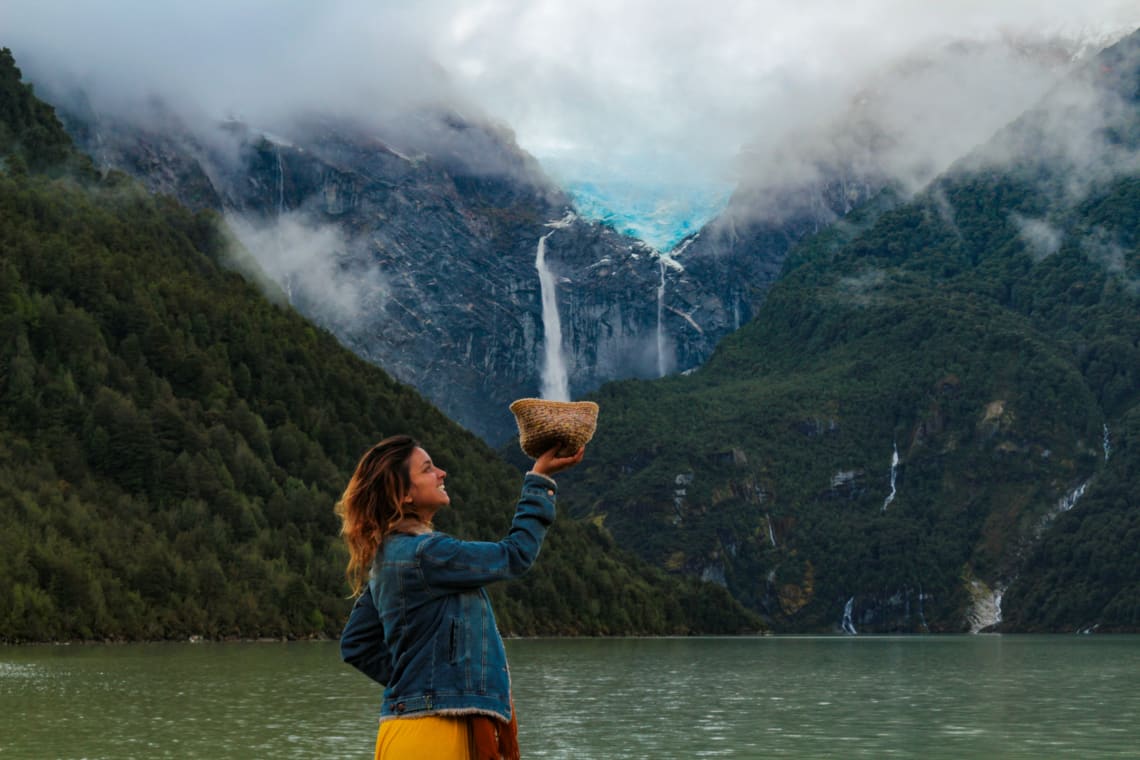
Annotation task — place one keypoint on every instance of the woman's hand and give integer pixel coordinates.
(552, 462)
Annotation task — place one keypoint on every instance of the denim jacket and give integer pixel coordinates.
(425, 628)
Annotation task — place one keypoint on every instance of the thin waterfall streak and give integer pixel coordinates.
(848, 625)
(894, 473)
(555, 385)
(1069, 500)
(660, 322)
(280, 183)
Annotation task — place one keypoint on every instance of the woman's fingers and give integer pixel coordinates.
(553, 461)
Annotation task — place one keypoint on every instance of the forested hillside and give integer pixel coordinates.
(934, 415)
(172, 443)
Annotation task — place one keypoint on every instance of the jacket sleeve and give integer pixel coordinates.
(449, 564)
(362, 642)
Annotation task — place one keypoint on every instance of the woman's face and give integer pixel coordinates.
(427, 494)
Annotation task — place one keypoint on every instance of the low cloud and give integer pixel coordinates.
(863, 289)
(1105, 248)
(258, 60)
(903, 127)
(660, 85)
(1101, 247)
(1041, 239)
(671, 88)
(681, 94)
(1076, 132)
(312, 266)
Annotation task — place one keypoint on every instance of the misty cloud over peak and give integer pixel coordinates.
(256, 60)
(665, 92)
(680, 76)
(923, 113)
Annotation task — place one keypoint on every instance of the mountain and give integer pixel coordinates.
(172, 442)
(899, 130)
(930, 422)
(413, 237)
(415, 241)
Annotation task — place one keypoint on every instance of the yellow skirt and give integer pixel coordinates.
(433, 736)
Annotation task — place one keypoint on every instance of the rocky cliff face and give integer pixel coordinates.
(416, 246)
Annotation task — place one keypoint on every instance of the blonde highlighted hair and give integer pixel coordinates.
(373, 502)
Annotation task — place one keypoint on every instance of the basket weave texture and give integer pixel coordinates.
(543, 425)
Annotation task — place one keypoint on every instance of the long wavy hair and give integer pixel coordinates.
(373, 502)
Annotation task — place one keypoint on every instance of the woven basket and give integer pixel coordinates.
(544, 425)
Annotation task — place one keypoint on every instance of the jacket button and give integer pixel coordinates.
(549, 492)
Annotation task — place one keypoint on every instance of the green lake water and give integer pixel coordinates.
(797, 697)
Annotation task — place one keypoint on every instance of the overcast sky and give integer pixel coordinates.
(629, 86)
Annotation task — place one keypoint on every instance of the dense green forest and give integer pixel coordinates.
(987, 333)
(940, 399)
(172, 441)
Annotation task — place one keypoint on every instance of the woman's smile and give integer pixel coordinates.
(427, 492)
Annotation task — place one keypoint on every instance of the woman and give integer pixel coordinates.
(424, 626)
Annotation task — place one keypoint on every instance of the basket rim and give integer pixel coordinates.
(530, 403)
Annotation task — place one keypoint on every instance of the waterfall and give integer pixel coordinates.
(1069, 500)
(847, 625)
(555, 385)
(660, 322)
(280, 183)
(985, 612)
(771, 535)
(894, 472)
(1107, 447)
(1064, 504)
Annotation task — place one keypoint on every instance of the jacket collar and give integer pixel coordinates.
(411, 525)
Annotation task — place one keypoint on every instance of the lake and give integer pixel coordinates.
(796, 697)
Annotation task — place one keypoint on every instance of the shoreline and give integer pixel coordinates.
(556, 637)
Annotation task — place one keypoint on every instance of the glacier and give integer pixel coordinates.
(660, 215)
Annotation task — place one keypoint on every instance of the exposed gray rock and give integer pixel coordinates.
(416, 248)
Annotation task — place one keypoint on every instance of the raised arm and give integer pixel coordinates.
(449, 564)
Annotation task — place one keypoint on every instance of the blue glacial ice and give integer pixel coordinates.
(661, 215)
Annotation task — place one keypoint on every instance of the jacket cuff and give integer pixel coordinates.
(535, 479)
